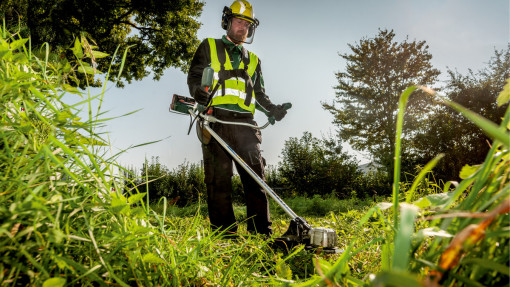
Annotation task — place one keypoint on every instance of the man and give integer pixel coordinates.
(238, 87)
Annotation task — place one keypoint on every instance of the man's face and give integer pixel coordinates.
(238, 30)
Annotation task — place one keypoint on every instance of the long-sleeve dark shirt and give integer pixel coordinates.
(202, 59)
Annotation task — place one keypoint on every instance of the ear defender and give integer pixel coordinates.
(225, 18)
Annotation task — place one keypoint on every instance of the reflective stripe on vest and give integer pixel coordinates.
(234, 87)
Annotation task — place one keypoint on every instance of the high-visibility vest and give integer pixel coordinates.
(235, 90)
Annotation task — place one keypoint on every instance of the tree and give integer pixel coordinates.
(154, 179)
(159, 33)
(311, 166)
(377, 72)
(448, 132)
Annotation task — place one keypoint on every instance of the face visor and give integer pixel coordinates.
(251, 31)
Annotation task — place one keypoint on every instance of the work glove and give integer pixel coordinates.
(278, 112)
(201, 95)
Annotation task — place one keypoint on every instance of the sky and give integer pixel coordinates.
(299, 43)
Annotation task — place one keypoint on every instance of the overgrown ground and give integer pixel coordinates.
(65, 221)
(341, 215)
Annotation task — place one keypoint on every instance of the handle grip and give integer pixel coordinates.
(207, 78)
(285, 106)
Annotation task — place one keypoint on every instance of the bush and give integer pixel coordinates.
(372, 184)
(311, 166)
(181, 186)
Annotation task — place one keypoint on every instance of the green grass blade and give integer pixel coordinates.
(397, 279)
(426, 169)
(491, 129)
(402, 248)
(488, 264)
(398, 143)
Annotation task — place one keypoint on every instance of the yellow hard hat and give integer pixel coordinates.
(243, 9)
(239, 9)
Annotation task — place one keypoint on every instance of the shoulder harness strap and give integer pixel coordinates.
(248, 88)
(227, 74)
(220, 47)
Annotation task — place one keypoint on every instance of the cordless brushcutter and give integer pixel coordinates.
(299, 232)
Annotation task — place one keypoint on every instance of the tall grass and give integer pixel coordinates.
(459, 237)
(63, 218)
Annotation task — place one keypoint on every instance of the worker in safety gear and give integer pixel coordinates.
(238, 87)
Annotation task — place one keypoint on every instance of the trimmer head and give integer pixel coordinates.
(315, 239)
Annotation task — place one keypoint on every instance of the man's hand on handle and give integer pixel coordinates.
(201, 96)
(278, 112)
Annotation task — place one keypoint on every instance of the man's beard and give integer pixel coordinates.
(238, 38)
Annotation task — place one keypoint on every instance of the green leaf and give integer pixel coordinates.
(99, 55)
(137, 212)
(422, 203)
(432, 231)
(86, 68)
(468, 170)
(283, 271)
(119, 204)
(70, 89)
(77, 49)
(18, 43)
(440, 199)
(54, 282)
(63, 116)
(384, 205)
(434, 200)
(152, 258)
(5, 54)
(136, 197)
(4, 45)
(504, 96)
(79, 139)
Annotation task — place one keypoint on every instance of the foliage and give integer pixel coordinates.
(468, 144)
(311, 166)
(153, 179)
(64, 220)
(372, 184)
(160, 34)
(378, 70)
(322, 206)
(457, 238)
(183, 185)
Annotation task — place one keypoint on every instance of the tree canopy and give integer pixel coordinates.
(377, 72)
(448, 132)
(159, 33)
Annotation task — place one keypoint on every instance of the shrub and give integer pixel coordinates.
(311, 166)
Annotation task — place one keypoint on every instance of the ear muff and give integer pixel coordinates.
(225, 18)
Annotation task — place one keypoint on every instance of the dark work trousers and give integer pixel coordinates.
(218, 168)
